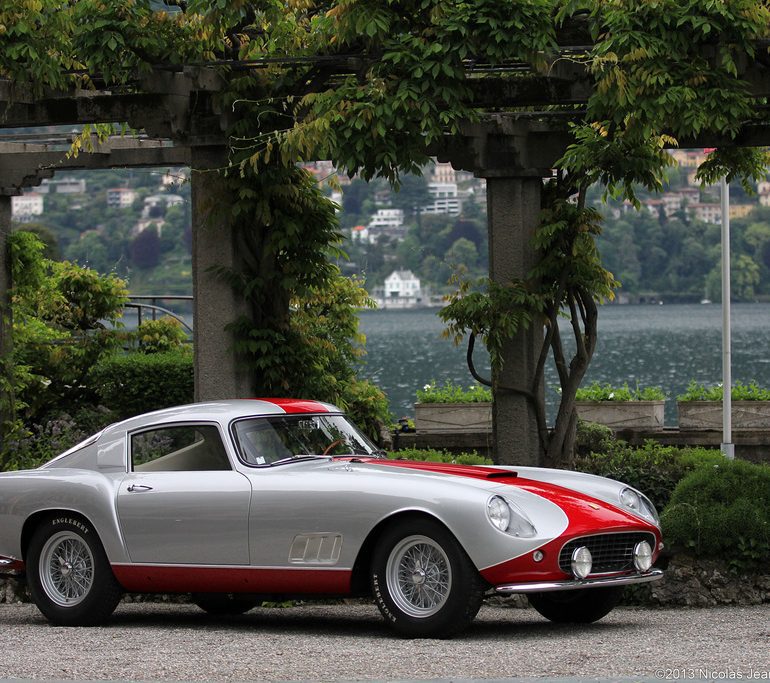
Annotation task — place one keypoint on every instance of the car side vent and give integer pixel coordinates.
(315, 549)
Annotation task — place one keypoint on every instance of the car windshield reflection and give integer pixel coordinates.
(286, 438)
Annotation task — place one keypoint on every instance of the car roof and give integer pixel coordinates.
(224, 411)
(210, 411)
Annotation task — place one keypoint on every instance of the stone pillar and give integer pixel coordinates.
(217, 373)
(513, 206)
(6, 319)
(6, 316)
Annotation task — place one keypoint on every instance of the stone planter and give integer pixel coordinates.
(623, 414)
(708, 415)
(449, 418)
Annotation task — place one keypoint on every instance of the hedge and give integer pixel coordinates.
(722, 511)
(134, 383)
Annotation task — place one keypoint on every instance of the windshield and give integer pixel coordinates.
(267, 440)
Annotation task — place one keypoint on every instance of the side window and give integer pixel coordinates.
(184, 448)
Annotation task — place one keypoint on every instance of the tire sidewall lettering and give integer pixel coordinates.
(80, 526)
(380, 597)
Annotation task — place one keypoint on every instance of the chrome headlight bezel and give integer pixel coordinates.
(639, 504)
(509, 518)
(499, 513)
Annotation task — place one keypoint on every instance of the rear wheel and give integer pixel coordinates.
(423, 582)
(224, 604)
(582, 606)
(69, 576)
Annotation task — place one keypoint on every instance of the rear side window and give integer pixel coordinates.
(181, 448)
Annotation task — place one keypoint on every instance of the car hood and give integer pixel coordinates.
(567, 489)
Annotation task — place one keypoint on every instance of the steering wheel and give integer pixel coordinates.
(337, 442)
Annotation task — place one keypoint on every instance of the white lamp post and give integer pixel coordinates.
(727, 447)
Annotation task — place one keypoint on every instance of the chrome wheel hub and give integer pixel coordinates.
(419, 576)
(66, 569)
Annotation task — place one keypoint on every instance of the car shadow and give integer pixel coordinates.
(356, 621)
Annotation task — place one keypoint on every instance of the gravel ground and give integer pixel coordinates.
(162, 642)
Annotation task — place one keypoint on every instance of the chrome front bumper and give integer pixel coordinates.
(576, 584)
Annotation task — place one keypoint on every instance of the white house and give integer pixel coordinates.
(158, 199)
(25, 207)
(387, 218)
(446, 199)
(708, 213)
(401, 290)
(120, 197)
(68, 185)
(389, 222)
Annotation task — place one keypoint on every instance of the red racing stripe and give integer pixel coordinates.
(294, 405)
(140, 578)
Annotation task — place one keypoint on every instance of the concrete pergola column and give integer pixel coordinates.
(513, 207)
(6, 315)
(513, 156)
(217, 371)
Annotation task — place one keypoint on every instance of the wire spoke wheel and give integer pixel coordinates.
(66, 569)
(419, 576)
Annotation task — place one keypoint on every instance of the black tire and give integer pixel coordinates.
(423, 582)
(583, 606)
(224, 604)
(68, 573)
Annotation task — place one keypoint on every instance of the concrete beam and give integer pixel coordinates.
(25, 165)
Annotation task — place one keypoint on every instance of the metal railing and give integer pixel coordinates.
(137, 301)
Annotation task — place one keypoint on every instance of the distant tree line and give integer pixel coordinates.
(85, 230)
(677, 258)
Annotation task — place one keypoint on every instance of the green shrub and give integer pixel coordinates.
(593, 437)
(134, 383)
(158, 336)
(653, 469)
(367, 406)
(451, 393)
(739, 392)
(722, 512)
(606, 392)
(54, 435)
(432, 455)
(58, 334)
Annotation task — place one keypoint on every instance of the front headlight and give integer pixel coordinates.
(499, 513)
(507, 516)
(639, 504)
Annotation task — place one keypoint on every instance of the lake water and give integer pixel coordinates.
(648, 345)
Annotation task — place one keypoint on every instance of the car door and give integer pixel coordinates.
(181, 501)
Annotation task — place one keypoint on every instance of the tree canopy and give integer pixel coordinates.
(373, 84)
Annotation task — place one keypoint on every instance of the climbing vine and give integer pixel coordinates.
(374, 85)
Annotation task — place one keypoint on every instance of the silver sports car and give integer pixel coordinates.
(241, 501)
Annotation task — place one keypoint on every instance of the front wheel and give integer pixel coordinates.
(423, 582)
(69, 576)
(581, 606)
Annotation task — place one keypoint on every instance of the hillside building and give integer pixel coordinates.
(25, 208)
(120, 197)
(401, 290)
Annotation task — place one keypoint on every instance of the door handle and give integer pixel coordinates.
(138, 487)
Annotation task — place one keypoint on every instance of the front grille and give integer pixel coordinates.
(610, 552)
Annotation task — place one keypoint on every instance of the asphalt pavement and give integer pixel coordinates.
(178, 642)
